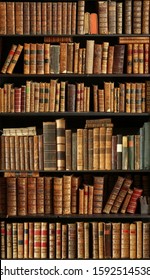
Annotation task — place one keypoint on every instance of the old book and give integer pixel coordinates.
(75, 183)
(49, 145)
(129, 58)
(70, 54)
(105, 48)
(97, 59)
(33, 18)
(86, 23)
(135, 58)
(100, 240)
(139, 232)
(73, 18)
(119, 151)
(118, 65)
(10, 18)
(80, 240)
(110, 59)
(95, 148)
(38, 18)
(95, 247)
(86, 240)
(26, 240)
(81, 200)
(116, 240)
(146, 241)
(37, 240)
(93, 23)
(114, 152)
(40, 195)
(102, 153)
(66, 195)
(131, 152)
(3, 240)
(119, 17)
(3, 24)
(98, 194)
(55, 59)
(80, 17)
(121, 195)
(126, 201)
(133, 241)
(11, 196)
(133, 201)
(54, 17)
(108, 148)
(52, 240)
(68, 145)
(48, 195)
(128, 17)
(63, 57)
(71, 97)
(133, 39)
(64, 241)
(49, 18)
(57, 195)
(14, 241)
(44, 240)
(33, 58)
(31, 196)
(26, 66)
(31, 240)
(26, 18)
(20, 231)
(19, 18)
(79, 149)
(22, 196)
(69, 16)
(9, 240)
(125, 240)
(103, 17)
(146, 58)
(39, 58)
(14, 60)
(64, 15)
(137, 17)
(9, 58)
(145, 17)
(72, 241)
(44, 18)
(60, 144)
(3, 210)
(124, 152)
(112, 17)
(46, 58)
(107, 240)
(113, 195)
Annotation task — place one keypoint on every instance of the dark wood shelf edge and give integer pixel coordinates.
(74, 35)
(77, 171)
(72, 75)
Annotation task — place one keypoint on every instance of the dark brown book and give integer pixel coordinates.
(11, 196)
(97, 59)
(72, 241)
(49, 145)
(71, 97)
(48, 195)
(40, 195)
(22, 196)
(118, 65)
(26, 18)
(44, 18)
(107, 240)
(39, 58)
(32, 196)
(98, 194)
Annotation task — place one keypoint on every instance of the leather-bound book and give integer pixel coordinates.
(36, 152)
(98, 194)
(46, 58)
(60, 144)
(116, 240)
(68, 144)
(11, 196)
(81, 201)
(26, 18)
(31, 153)
(33, 58)
(86, 240)
(128, 17)
(39, 58)
(49, 145)
(19, 18)
(135, 58)
(140, 90)
(90, 199)
(59, 18)
(110, 59)
(128, 97)
(63, 57)
(3, 210)
(146, 58)
(101, 98)
(107, 240)
(121, 195)
(102, 153)
(3, 24)
(10, 18)
(70, 57)
(124, 152)
(133, 241)
(72, 241)
(41, 97)
(33, 18)
(40, 195)
(80, 240)
(131, 152)
(139, 231)
(44, 240)
(15, 241)
(137, 152)
(125, 240)
(9, 240)
(73, 18)
(79, 149)
(105, 48)
(126, 201)
(113, 195)
(37, 240)
(129, 58)
(44, 18)
(101, 240)
(93, 23)
(85, 149)
(133, 201)
(87, 23)
(119, 151)
(26, 240)
(32, 196)
(64, 16)
(137, 17)
(54, 18)
(71, 97)
(26, 65)
(12, 152)
(31, 240)
(108, 148)
(114, 152)
(86, 196)
(146, 240)
(118, 64)
(20, 231)
(36, 96)
(49, 18)
(76, 55)
(55, 59)
(52, 97)
(52, 240)
(62, 96)
(97, 59)
(74, 150)
(64, 241)
(75, 183)
(22, 196)
(95, 245)
(9, 58)
(17, 99)
(66, 194)
(40, 152)
(80, 17)
(14, 60)
(3, 239)
(112, 17)
(48, 195)
(95, 148)
(38, 18)
(141, 58)
(57, 195)
(95, 97)
(147, 92)
(47, 96)
(119, 17)
(145, 16)
(69, 16)
(103, 17)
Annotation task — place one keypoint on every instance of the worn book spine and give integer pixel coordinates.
(26, 58)
(80, 240)
(32, 196)
(97, 59)
(73, 18)
(11, 196)
(146, 241)
(128, 17)
(145, 16)
(70, 53)
(22, 196)
(118, 65)
(9, 58)
(38, 18)
(64, 241)
(86, 240)
(44, 18)
(112, 17)
(20, 231)
(14, 241)
(57, 195)
(54, 18)
(52, 240)
(60, 144)
(133, 241)
(10, 18)
(33, 18)
(103, 17)
(40, 195)
(95, 247)
(9, 240)
(98, 194)
(26, 18)
(3, 24)
(26, 240)
(79, 149)
(125, 240)
(72, 241)
(31, 240)
(39, 58)
(68, 144)
(105, 47)
(49, 145)
(129, 58)
(19, 18)
(14, 60)
(116, 240)
(146, 58)
(139, 231)
(80, 17)
(44, 240)
(33, 58)
(55, 59)
(37, 240)
(107, 240)
(49, 18)
(137, 17)
(119, 18)
(75, 183)
(64, 15)
(66, 194)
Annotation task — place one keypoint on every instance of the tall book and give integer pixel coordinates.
(14, 59)
(60, 142)
(49, 144)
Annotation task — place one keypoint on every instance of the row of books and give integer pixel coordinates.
(61, 96)
(79, 240)
(91, 148)
(38, 18)
(110, 17)
(24, 196)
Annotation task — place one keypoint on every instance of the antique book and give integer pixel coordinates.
(128, 17)
(134, 199)
(31, 240)
(118, 65)
(80, 240)
(103, 17)
(37, 240)
(129, 58)
(108, 148)
(43, 18)
(19, 18)
(66, 194)
(126, 201)
(38, 18)
(98, 194)
(145, 17)
(124, 152)
(93, 23)
(54, 59)
(86, 240)
(49, 144)
(20, 231)
(119, 151)
(112, 17)
(3, 24)
(10, 18)
(146, 241)
(63, 57)
(40, 196)
(139, 232)
(15, 241)
(119, 17)
(105, 48)
(31, 196)
(116, 240)
(9, 58)
(80, 17)
(58, 240)
(68, 144)
(133, 241)
(64, 241)
(125, 240)
(97, 59)
(137, 17)
(79, 149)
(9, 240)
(33, 58)
(72, 240)
(33, 18)
(39, 58)
(52, 240)
(11, 196)
(60, 144)
(107, 240)
(14, 60)
(89, 56)
(58, 195)
(26, 18)
(95, 237)
(48, 195)
(44, 240)
(22, 196)
(26, 240)
(75, 183)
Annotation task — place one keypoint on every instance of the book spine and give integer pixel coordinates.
(14, 59)
(9, 58)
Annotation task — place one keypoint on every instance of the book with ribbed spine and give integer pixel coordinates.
(14, 60)
(52, 240)
(60, 143)
(11, 18)
(9, 58)
(139, 231)
(40, 195)
(125, 240)
(31, 240)
(19, 18)
(22, 196)
(66, 194)
(80, 17)
(133, 241)
(107, 240)
(32, 196)
(133, 201)
(95, 247)
(98, 194)
(72, 241)
(146, 241)
(49, 145)
(9, 240)
(48, 195)
(14, 241)
(44, 240)
(64, 241)
(116, 240)
(126, 201)
(86, 240)
(26, 240)
(11, 196)
(75, 183)
(103, 17)
(80, 240)
(58, 195)
(37, 240)
(3, 24)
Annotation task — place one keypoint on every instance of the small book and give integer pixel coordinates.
(14, 60)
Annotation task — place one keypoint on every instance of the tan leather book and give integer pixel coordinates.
(119, 18)
(146, 58)
(133, 241)
(40, 195)
(89, 56)
(66, 194)
(105, 48)
(96, 151)
(141, 58)
(54, 18)
(69, 17)
(22, 196)
(72, 241)
(48, 195)
(26, 18)
(26, 240)
(112, 17)
(49, 145)
(3, 240)
(9, 240)
(38, 18)
(33, 18)
(15, 241)
(95, 239)
(11, 196)
(139, 248)
(103, 17)
(75, 183)
(9, 58)
(98, 194)
(101, 240)
(39, 58)
(80, 240)
(145, 16)
(64, 241)
(44, 240)
(14, 60)
(20, 231)
(70, 57)
(116, 240)
(33, 59)
(31, 240)
(97, 59)
(49, 19)
(52, 240)
(64, 16)
(31, 196)
(59, 18)
(57, 195)
(3, 23)
(73, 18)
(81, 200)
(79, 149)
(128, 17)
(44, 18)
(80, 17)
(137, 17)
(86, 240)
(19, 18)
(46, 58)
(63, 57)
(125, 240)
(37, 240)
(11, 17)
(60, 144)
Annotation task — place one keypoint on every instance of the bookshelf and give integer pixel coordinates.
(57, 170)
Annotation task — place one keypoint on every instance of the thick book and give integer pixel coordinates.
(14, 60)
(119, 54)
(49, 145)
(9, 58)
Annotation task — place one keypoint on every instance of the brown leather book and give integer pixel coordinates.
(128, 17)
(72, 241)
(49, 19)
(33, 59)
(37, 240)
(126, 201)
(146, 233)
(118, 64)
(80, 17)
(116, 240)
(26, 66)
(121, 195)
(9, 240)
(76, 56)
(44, 240)
(19, 18)
(22, 196)
(81, 200)
(3, 23)
(33, 18)
(46, 58)
(26, 18)
(57, 195)
(39, 58)
(133, 201)
(103, 17)
(49, 145)
(145, 16)
(139, 227)
(36, 152)
(32, 197)
(119, 17)
(41, 97)
(74, 150)
(20, 231)
(31, 240)
(3, 239)
(26, 240)
(54, 18)
(95, 245)
(52, 238)
(133, 241)
(55, 59)
(71, 97)
(86, 196)
(64, 16)
(48, 195)
(3, 210)
(70, 57)
(75, 183)
(102, 153)
(12, 152)
(80, 240)
(134, 39)
(64, 241)
(86, 240)
(66, 195)
(90, 199)
(113, 194)
(59, 18)
(98, 194)
(69, 16)
(40, 195)
(38, 18)
(105, 48)
(79, 149)
(14, 241)
(10, 18)
(63, 57)
(125, 240)
(146, 58)
(141, 58)
(11, 196)
(135, 58)
(44, 18)
(97, 59)
(137, 17)
(112, 17)
(101, 240)
(107, 240)
(14, 59)
(9, 58)
(129, 58)
(96, 148)
(110, 59)
(60, 144)
(73, 18)
(68, 144)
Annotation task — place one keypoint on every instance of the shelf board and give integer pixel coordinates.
(77, 171)
(81, 217)
(72, 75)
(75, 35)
